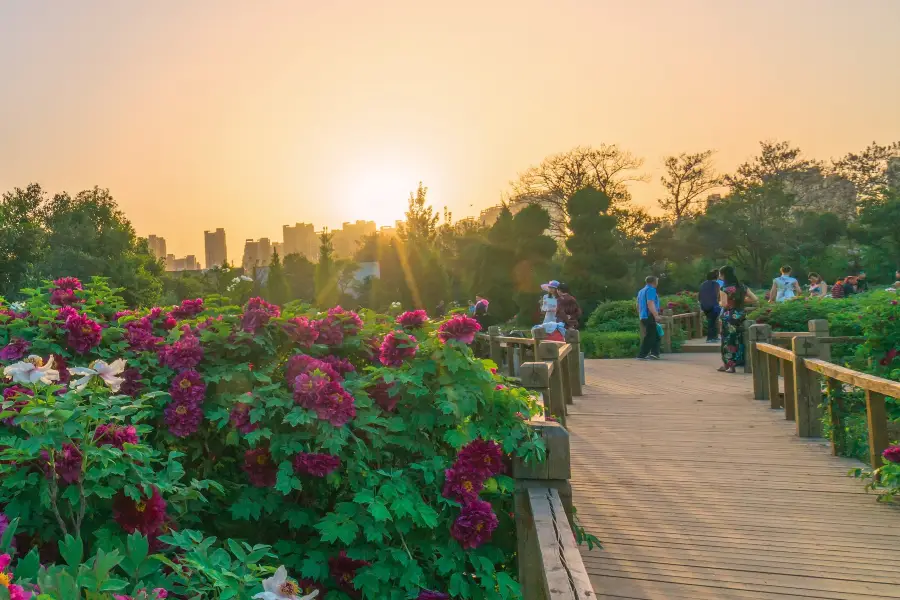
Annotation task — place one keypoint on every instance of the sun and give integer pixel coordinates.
(378, 192)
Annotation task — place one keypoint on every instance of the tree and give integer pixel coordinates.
(776, 160)
(868, 170)
(421, 223)
(326, 272)
(277, 289)
(22, 238)
(688, 178)
(877, 228)
(596, 262)
(300, 273)
(551, 183)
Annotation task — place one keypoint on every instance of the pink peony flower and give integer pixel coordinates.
(474, 525)
(115, 435)
(331, 333)
(240, 418)
(302, 331)
(84, 333)
(892, 454)
(462, 484)
(63, 291)
(300, 364)
(185, 353)
(16, 349)
(16, 394)
(317, 465)
(412, 319)
(259, 467)
(257, 313)
(187, 309)
(343, 570)
(460, 328)
(349, 320)
(341, 365)
(122, 313)
(327, 398)
(146, 516)
(139, 335)
(188, 386)
(183, 416)
(481, 456)
(397, 347)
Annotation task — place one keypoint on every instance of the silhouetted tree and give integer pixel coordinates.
(688, 179)
(277, 289)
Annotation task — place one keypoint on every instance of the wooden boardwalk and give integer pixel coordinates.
(700, 492)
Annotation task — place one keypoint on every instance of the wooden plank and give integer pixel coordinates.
(807, 391)
(876, 418)
(772, 372)
(835, 408)
(819, 328)
(774, 350)
(862, 380)
(787, 370)
(759, 334)
(788, 335)
(564, 575)
(573, 338)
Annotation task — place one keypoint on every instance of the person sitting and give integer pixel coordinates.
(567, 309)
(817, 286)
(838, 290)
(784, 287)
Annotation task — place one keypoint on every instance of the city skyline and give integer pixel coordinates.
(244, 116)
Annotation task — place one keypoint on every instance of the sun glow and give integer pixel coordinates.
(378, 191)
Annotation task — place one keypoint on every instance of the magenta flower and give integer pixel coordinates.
(240, 418)
(183, 416)
(16, 349)
(381, 394)
(460, 328)
(115, 435)
(341, 365)
(185, 353)
(132, 385)
(331, 333)
(63, 367)
(187, 309)
(481, 456)
(146, 516)
(300, 364)
(259, 467)
(892, 454)
(257, 313)
(327, 398)
(139, 334)
(17, 394)
(412, 319)
(317, 465)
(302, 331)
(122, 313)
(397, 347)
(84, 333)
(474, 525)
(349, 320)
(462, 484)
(68, 463)
(343, 570)
(63, 291)
(188, 386)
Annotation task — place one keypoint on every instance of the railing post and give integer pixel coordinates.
(554, 472)
(819, 328)
(748, 359)
(496, 352)
(787, 370)
(668, 326)
(549, 351)
(807, 390)
(759, 333)
(835, 414)
(573, 338)
(539, 335)
(775, 400)
(876, 418)
(515, 361)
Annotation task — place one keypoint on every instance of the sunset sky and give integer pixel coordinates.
(250, 115)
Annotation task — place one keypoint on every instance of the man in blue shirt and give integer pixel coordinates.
(648, 311)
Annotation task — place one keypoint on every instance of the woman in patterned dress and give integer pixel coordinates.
(733, 296)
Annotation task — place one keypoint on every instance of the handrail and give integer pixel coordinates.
(802, 367)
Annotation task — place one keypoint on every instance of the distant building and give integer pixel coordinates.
(257, 253)
(157, 246)
(278, 248)
(347, 238)
(302, 239)
(216, 252)
(366, 270)
(188, 263)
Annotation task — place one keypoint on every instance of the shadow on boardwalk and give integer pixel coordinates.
(700, 492)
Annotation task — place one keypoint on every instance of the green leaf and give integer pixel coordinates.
(509, 588)
(428, 516)
(7, 539)
(315, 566)
(72, 551)
(136, 548)
(379, 511)
(335, 527)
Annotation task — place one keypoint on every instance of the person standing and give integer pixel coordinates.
(817, 286)
(784, 287)
(480, 309)
(567, 309)
(862, 284)
(648, 311)
(549, 301)
(709, 304)
(733, 297)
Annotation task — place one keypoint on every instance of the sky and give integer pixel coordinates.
(252, 115)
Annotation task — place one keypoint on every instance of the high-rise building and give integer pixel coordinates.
(347, 238)
(188, 263)
(257, 253)
(216, 251)
(301, 239)
(157, 246)
(278, 248)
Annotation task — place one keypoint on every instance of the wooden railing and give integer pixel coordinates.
(817, 328)
(803, 367)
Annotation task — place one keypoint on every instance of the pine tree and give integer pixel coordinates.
(277, 289)
(326, 272)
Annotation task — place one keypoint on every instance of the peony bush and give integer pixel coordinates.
(187, 451)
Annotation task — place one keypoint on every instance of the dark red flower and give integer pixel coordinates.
(331, 333)
(412, 319)
(474, 525)
(300, 364)
(481, 456)
(148, 516)
(892, 454)
(257, 313)
(240, 418)
(63, 291)
(115, 435)
(185, 353)
(15, 349)
(349, 320)
(302, 331)
(139, 334)
(396, 348)
(259, 467)
(343, 570)
(460, 328)
(183, 416)
(83, 333)
(15, 393)
(381, 394)
(430, 595)
(317, 465)
(132, 385)
(341, 365)
(68, 463)
(188, 386)
(187, 309)
(462, 484)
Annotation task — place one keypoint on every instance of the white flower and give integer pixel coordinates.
(277, 587)
(17, 307)
(109, 373)
(32, 370)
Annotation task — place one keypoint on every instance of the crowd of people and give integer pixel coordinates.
(723, 298)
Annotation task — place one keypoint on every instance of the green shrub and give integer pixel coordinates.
(615, 311)
(611, 344)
